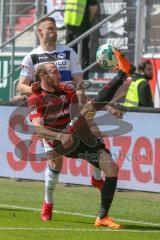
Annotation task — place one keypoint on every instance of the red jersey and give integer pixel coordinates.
(52, 107)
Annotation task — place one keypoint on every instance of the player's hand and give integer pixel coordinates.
(118, 114)
(66, 140)
(115, 112)
(35, 87)
(88, 111)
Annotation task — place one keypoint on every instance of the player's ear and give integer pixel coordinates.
(42, 76)
(39, 31)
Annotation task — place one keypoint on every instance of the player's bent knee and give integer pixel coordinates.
(107, 164)
(56, 164)
(114, 171)
(111, 171)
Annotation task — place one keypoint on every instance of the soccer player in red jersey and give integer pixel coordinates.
(56, 119)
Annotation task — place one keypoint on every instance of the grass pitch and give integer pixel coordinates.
(75, 211)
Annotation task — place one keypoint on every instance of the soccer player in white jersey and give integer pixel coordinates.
(66, 60)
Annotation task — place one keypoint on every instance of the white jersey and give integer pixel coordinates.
(64, 57)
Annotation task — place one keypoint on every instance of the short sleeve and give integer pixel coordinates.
(35, 107)
(75, 66)
(27, 68)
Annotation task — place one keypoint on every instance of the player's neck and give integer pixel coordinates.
(49, 46)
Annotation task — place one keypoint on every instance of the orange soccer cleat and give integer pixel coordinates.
(123, 63)
(46, 211)
(107, 222)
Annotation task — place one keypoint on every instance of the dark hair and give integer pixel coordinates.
(45, 19)
(142, 66)
(40, 69)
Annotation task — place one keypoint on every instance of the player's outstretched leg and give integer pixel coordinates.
(123, 63)
(126, 68)
(107, 194)
(51, 180)
(107, 93)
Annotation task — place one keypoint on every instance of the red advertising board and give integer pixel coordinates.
(137, 153)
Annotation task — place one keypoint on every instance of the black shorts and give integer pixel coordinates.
(86, 145)
(81, 150)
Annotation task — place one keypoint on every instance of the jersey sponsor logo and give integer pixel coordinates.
(61, 113)
(44, 57)
(61, 62)
(61, 55)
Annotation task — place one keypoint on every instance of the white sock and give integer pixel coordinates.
(97, 173)
(51, 179)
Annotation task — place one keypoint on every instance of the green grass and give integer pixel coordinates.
(134, 206)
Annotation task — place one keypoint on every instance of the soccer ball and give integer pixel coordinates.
(105, 56)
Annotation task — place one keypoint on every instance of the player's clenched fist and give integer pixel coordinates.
(114, 111)
(66, 140)
(35, 87)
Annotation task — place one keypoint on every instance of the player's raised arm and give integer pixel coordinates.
(25, 89)
(26, 85)
(23, 86)
(26, 76)
(107, 93)
(78, 79)
(77, 76)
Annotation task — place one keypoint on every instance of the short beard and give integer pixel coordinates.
(51, 40)
(147, 77)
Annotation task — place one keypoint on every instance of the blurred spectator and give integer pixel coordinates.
(79, 15)
(139, 92)
(59, 15)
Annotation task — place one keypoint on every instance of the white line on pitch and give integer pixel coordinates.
(78, 229)
(78, 214)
